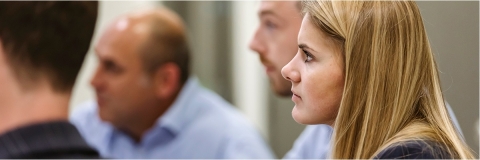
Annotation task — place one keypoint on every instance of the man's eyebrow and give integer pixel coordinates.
(267, 12)
(275, 15)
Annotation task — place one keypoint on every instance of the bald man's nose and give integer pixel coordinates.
(96, 80)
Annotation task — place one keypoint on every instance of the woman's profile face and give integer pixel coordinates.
(316, 74)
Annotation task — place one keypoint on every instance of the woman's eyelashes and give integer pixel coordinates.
(308, 56)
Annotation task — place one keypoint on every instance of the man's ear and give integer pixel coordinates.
(167, 80)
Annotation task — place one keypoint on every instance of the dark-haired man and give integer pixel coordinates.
(42, 47)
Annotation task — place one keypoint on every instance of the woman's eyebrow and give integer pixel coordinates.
(304, 46)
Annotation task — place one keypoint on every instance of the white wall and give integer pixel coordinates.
(249, 80)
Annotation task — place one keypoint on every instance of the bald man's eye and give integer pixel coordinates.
(112, 67)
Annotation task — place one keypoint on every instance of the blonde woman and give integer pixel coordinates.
(366, 69)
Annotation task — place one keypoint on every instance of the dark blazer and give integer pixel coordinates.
(415, 149)
(58, 139)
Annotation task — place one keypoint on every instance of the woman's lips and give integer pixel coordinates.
(295, 97)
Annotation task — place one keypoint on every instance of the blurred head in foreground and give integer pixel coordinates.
(42, 47)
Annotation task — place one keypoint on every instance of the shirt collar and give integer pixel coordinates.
(181, 112)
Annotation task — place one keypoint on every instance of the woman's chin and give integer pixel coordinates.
(305, 117)
(299, 117)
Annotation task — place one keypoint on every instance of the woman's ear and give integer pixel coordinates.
(166, 80)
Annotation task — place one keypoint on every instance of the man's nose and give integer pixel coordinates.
(257, 44)
(96, 80)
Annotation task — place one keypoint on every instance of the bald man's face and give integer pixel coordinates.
(275, 40)
(122, 87)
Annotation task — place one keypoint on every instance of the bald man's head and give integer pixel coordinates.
(158, 36)
(143, 64)
(167, 41)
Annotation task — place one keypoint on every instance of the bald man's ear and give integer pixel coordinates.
(167, 80)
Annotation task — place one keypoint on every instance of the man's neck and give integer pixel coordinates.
(137, 130)
(22, 108)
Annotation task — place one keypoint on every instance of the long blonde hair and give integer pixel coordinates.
(392, 91)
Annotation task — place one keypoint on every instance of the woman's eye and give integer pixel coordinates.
(308, 56)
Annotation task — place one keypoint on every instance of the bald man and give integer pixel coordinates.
(148, 105)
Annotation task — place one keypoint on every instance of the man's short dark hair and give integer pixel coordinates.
(47, 40)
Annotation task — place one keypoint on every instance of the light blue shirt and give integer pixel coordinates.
(200, 124)
(314, 142)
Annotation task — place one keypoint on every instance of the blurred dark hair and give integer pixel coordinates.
(47, 40)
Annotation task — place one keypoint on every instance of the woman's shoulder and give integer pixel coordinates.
(415, 149)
